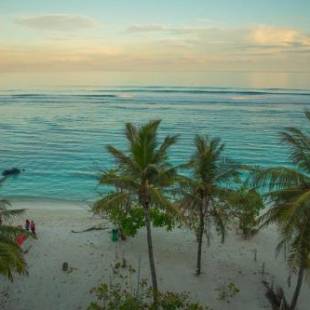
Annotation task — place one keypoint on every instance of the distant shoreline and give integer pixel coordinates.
(47, 203)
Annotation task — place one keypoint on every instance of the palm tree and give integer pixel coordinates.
(11, 255)
(288, 191)
(142, 173)
(205, 194)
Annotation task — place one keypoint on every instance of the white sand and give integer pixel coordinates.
(92, 254)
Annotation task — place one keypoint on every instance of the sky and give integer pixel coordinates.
(185, 37)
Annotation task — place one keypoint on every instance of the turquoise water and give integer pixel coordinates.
(59, 136)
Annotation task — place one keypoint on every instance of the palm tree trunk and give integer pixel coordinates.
(200, 239)
(298, 286)
(151, 254)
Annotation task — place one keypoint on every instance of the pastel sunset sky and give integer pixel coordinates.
(155, 36)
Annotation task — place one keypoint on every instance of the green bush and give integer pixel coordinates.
(129, 219)
(115, 297)
(227, 292)
(247, 206)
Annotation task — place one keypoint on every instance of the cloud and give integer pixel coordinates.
(56, 22)
(166, 29)
(261, 36)
(173, 48)
(146, 28)
(276, 36)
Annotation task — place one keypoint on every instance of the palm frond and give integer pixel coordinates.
(299, 146)
(278, 178)
(159, 200)
(161, 153)
(11, 259)
(166, 177)
(122, 159)
(272, 215)
(131, 133)
(288, 191)
(117, 180)
(110, 201)
(219, 219)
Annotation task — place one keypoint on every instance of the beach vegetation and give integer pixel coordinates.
(227, 292)
(206, 193)
(11, 255)
(116, 297)
(125, 293)
(287, 191)
(247, 204)
(140, 181)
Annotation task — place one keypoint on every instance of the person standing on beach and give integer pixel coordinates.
(27, 224)
(33, 227)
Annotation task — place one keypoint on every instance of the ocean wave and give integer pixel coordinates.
(128, 93)
(211, 91)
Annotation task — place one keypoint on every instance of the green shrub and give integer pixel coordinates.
(115, 297)
(227, 292)
(247, 206)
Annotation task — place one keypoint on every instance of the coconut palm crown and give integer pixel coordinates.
(288, 192)
(141, 176)
(206, 192)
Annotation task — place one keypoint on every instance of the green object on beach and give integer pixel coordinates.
(114, 234)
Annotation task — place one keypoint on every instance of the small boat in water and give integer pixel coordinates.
(10, 172)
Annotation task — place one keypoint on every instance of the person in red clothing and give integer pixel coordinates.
(33, 227)
(20, 239)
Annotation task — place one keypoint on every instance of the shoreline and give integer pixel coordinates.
(46, 203)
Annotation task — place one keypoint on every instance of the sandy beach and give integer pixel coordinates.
(92, 254)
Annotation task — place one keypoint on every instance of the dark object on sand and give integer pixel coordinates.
(65, 266)
(89, 229)
(12, 171)
(115, 234)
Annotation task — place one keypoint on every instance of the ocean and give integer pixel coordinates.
(58, 137)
